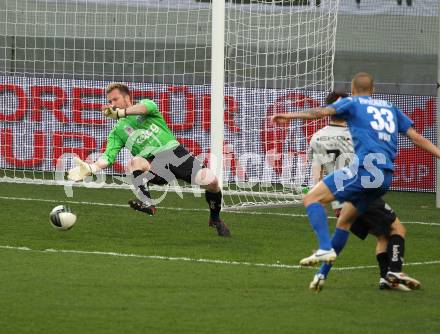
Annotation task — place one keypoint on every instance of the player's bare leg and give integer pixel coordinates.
(207, 180)
(314, 202)
(348, 215)
(143, 202)
(395, 252)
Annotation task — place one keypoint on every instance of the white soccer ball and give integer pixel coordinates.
(62, 218)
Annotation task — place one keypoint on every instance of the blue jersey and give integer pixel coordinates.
(374, 126)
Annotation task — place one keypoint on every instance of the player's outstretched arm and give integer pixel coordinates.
(137, 109)
(313, 113)
(116, 113)
(84, 169)
(422, 142)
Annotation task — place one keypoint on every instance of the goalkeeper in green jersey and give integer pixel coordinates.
(158, 158)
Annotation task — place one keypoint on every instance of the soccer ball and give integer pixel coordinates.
(62, 218)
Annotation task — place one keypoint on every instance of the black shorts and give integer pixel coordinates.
(377, 220)
(169, 165)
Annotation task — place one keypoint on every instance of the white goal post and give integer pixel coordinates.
(217, 70)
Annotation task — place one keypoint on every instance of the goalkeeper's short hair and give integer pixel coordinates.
(119, 86)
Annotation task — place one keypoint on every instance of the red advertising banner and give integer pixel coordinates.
(42, 119)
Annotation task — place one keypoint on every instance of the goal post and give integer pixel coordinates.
(278, 59)
(217, 69)
(217, 87)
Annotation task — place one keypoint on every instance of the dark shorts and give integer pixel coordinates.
(377, 220)
(169, 165)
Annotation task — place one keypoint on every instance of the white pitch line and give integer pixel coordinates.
(153, 257)
(422, 223)
(405, 265)
(188, 259)
(182, 209)
(159, 207)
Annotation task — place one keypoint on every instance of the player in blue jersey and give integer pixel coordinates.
(331, 148)
(374, 125)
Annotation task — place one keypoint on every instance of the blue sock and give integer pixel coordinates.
(339, 240)
(318, 220)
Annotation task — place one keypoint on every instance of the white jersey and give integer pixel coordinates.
(332, 148)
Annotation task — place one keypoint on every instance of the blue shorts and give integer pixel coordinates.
(361, 188)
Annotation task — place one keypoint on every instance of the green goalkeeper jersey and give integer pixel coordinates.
(143, 135)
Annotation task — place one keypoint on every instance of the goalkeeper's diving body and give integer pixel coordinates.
(158, 158)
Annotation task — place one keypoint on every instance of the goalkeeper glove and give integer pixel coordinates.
(114, 113)
(81, 171)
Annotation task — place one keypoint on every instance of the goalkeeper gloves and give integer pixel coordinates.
(81, 170)
(114, 113)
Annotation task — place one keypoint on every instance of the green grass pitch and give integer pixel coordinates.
(63, 292)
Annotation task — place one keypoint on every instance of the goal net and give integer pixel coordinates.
(57, 57)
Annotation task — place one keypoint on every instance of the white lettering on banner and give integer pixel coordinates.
(412, 173)
(35, 139)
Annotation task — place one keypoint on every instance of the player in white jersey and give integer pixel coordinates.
(331, 148)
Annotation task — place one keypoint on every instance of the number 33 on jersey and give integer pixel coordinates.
(383, 120)
(374, 126)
